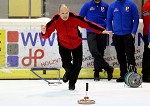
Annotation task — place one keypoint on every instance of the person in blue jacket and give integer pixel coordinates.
(96, 11)
(123, 20)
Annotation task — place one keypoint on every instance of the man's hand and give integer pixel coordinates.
(149, 45)
(43, 29)
(133, 35)
(107, 32)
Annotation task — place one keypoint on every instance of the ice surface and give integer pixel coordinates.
(39, 93)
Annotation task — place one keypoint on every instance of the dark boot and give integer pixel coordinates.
(71, 86)
(121, 79)
(109, 70)
(146, 80)
(96, 76)
(66, 77)
(146, 77)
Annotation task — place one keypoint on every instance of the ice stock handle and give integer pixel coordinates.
(87, 85)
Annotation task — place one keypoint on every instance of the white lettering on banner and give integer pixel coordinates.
(44, 53)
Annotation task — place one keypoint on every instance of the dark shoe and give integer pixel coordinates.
(71, 86)
(109, 70)
(146, 80)
(65, 77)
(121, 79)
(96, 76)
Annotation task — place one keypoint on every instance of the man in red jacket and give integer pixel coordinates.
(70, 42)
(146, 53)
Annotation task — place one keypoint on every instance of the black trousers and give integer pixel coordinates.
(71, 61)
(146, 59)
(125, 50)
(97, 45)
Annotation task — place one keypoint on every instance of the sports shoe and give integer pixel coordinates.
(121, 79)
(96, 76)
(65, 77)
(109, 70)
(71, 86)
(146, 80)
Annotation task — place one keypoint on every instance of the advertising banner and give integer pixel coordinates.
(22, 47)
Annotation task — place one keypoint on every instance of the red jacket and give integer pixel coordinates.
(146, 17)
(67, 31)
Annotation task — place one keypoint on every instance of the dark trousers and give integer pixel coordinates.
(97, 45)
(125, 50)
(146, 59)
(71, 61)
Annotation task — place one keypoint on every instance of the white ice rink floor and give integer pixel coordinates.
(38, 93)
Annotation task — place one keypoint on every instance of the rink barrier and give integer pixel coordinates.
(86, 73)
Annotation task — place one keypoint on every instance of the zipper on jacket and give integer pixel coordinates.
(68, 35)
(121, 21)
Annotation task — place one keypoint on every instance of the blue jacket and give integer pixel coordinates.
(120, 17)
(95, 12)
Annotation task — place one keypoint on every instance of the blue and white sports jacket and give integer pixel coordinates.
(95, 12)
(122, 17)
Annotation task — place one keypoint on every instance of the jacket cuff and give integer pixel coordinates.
(42, 34)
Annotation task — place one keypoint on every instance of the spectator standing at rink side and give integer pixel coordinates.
(146, 32)
(123, 20)
(96, 11)
(69, 40)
